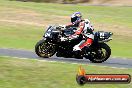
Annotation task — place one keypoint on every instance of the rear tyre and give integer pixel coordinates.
(101, 54)
(45, 49)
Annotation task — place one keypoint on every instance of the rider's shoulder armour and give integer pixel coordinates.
(87, 21)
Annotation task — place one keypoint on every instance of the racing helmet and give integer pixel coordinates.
(76, 17)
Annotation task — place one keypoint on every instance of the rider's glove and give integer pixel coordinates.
(63, 27)
(63, 39)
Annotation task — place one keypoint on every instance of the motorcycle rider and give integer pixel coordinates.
(84, 27)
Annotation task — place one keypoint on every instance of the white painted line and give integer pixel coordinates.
(74, 63)
(19, 49)
(117, 67)
(64, 62)
(51, 61)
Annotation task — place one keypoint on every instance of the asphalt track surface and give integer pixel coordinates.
(113, 62)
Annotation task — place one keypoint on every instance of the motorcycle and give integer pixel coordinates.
(51, 44)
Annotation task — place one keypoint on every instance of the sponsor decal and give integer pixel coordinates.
(83, 78)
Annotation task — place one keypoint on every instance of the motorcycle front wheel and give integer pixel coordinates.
(45, 49)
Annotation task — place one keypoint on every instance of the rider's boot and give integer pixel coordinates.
(77, 52)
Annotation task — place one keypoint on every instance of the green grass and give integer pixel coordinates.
(119, 15)
(23, 35)
(18, 73)
(121, 48)
(16, 37)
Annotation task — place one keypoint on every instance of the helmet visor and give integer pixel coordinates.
(73, 19)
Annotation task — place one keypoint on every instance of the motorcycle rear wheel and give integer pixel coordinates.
(101, 54)
(45, 49)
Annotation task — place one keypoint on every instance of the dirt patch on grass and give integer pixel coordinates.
(19, 15)
(119, 2)
(116, 29)
(36, 22)
(29, 17)
(21, 22)
(111, 2)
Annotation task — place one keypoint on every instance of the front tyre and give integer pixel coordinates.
(45, 49)
(101, 54)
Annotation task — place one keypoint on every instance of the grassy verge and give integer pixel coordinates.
(21, 23)
(18, 73)
(16, 37)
